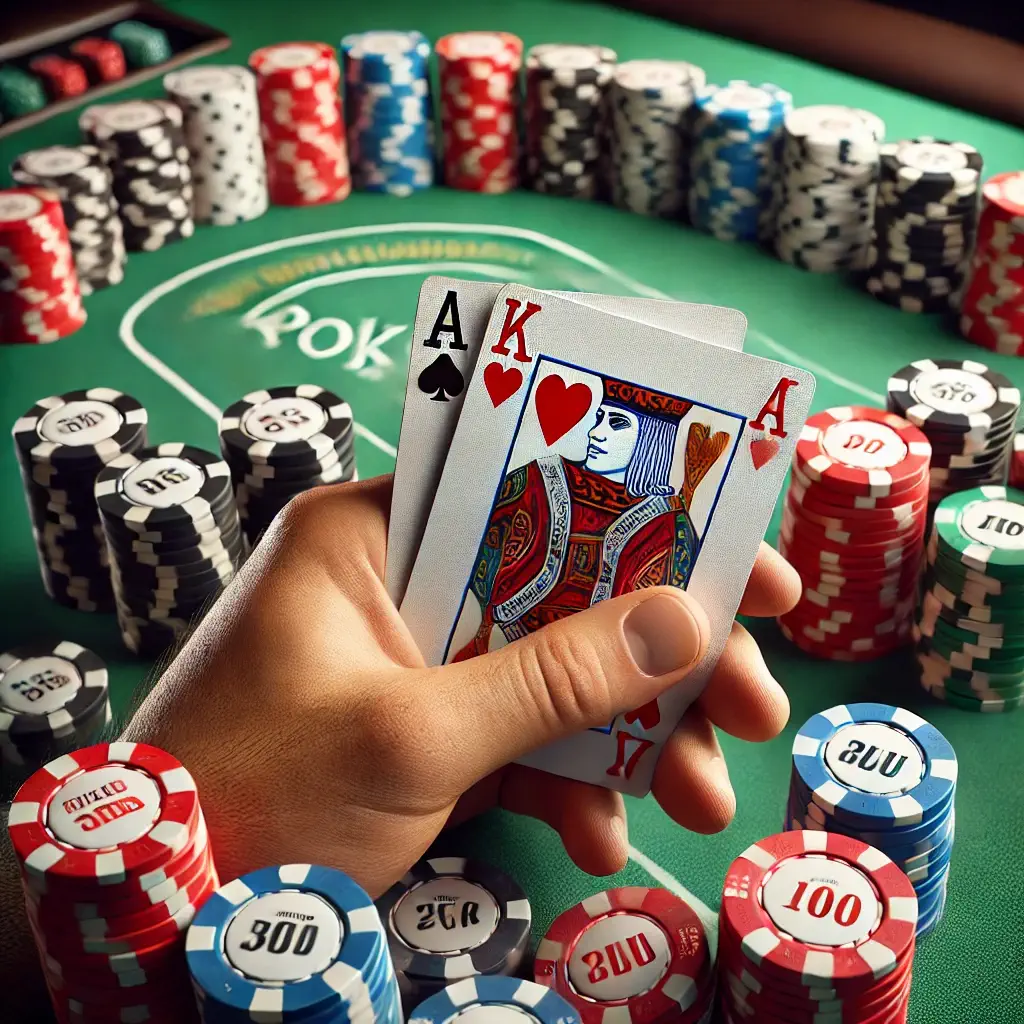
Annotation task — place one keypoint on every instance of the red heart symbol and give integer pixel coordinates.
(501, 384)
(763, 450)
(559, 408)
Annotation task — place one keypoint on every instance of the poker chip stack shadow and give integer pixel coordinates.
(736, 135)
(566, 106)
(668, 967)
(970, 635)
(925, 218)
(326, 959)
(497, 999)
(80, 176)
(884, 776)
(784, 958)
(649, 104)
(479, 103)
(40, 299)
(222, 129)
(144, 144)
(388, 111)
(479, 925)
(992, 306)
(301, 123)
(172, 530)
(967, 411)
(53, 698)
(62, 444)
(282, 441)
(827, 181)
(114, 859)
(854, 527)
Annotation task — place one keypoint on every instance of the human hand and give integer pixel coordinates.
(316, 733)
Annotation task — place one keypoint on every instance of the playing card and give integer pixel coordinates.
(596, 455)
(450, 320)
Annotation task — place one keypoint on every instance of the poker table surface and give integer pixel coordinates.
(327, 295)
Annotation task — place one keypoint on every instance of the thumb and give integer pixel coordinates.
(573, 674)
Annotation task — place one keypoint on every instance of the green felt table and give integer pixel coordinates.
(191, 329)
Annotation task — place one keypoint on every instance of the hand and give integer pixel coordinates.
(316, 733)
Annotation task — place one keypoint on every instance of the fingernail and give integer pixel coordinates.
(662, 635)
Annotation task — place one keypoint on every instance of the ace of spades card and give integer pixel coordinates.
(594, 456)
(450, 319)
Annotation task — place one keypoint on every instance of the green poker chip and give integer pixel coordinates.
(963, 635)
(972, 658)
(983, 530)
(983, 705)
(941, 670)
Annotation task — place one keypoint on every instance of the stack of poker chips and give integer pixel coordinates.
(143, 142)
(222, 129)
(82, 179)
(62, 443)
(649, 103)
(884, 776)
(171, 526)
(925, 217)
(388, 111)
(482, 925)
(736, 134)
(566, 98)
(329, 959)
(115, 860)
(969, 415)
(283, 441)
(812, 921)
(53, 698)
(479, 101)
(144, 45)
(854, 527)
(667, 968)
(40, 300)
(499, 999)
(970, 637)
(60, 77)
(826, 187)
(992, 305)
(302, 127)
(103, 59)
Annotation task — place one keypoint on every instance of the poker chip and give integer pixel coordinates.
(280, 442)
(479, 105)
(144, 45)
(450, 918)
(924, 224)
(325, 959)
(40, 299)
(61, 444)
(143, 143)
(301, 123)
(183, 495)
(388, 111)
(566, 95)
(992, 304)
(859, 564)
(631, 954)
(60, 77)
(882, 775)
(811, 918)
(970, 630)
(826, 187)
(736, 133)
(495, 999)
(115, 860)
(649, 103)
(21, 93)
(81, 178)
(221, 122)
(967, 411)
(53, 698)
(102, 59)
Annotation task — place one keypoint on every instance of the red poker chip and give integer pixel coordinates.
(833, 652)
(812, 499)
(62, 77)
(295, 65)
(811, 524)
(896, 497)
(669, 975)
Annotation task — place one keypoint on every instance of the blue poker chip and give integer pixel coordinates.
(288, 943)
(875, 766)
(537, 1003)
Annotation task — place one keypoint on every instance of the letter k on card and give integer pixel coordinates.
(501, 380)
